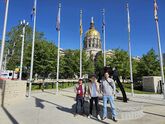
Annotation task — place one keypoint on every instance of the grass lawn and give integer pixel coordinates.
(49, 86)
(127, 88)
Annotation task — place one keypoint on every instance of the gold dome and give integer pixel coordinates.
(92, 38)
(92, 32)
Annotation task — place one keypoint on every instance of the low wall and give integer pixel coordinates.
(151, 83)
(11, 91)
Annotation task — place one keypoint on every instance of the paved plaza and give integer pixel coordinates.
(48, 108)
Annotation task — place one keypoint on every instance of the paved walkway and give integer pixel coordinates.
(48, 108)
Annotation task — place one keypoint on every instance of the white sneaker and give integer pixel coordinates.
(98, 117)
(89, 116)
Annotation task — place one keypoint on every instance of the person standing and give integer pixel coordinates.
(108, 89)
(79, 89)
(93, 92)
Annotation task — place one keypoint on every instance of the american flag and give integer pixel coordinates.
(33, 13)
(103, 20)
(58, 18)
(81, 27)
(129, 29)
(155, 10)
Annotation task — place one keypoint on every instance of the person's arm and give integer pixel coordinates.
(101, 87)
(98, 87)
(75, 88)
(114, 87)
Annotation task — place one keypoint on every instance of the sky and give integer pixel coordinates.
(143, 28)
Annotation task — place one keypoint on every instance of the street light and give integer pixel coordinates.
(24, 24)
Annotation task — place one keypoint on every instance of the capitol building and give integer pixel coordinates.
(92, 42)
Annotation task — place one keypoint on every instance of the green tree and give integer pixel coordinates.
(120, 59)
(148, 65)
(15, 43)
(44, 58)
(99, 63)
(71, 64)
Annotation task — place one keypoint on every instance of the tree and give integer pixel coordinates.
(15, 43)
(99, 63)
(88, 64)
(148, 65)
(71, 64)
(44, 58)
(120, 60)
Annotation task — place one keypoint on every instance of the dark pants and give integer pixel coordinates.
(80, 99)
(96, 99)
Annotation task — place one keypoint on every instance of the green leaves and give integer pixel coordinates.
(149, 65)
(71, 64)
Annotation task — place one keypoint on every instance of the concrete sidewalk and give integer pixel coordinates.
(48, 108)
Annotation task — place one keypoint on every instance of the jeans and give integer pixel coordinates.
(80, 99)
(111, 100)
(96, 99)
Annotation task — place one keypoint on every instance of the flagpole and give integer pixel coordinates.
(104, 36)
(58, 54)
(159, 43)
(4, 34)
(24, 24)
(33, 43)
(80, 43)
(129, 47)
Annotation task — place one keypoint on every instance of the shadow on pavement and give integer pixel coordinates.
(12, 119)
(149, 103)
(154, 114)
(39, 103)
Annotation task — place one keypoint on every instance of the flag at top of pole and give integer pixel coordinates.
(103, 20)
(58, 18)
(155, 10)
(129, 29)
(81, 27)
(33, 13)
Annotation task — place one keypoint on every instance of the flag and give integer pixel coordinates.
(103, 20)
(129, 29)
(33, 13)
(81, 27)
(155, 10)
(58, 18)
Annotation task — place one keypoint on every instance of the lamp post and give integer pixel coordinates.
(24, 24)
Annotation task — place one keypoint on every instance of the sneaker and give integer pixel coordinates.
(114, 119)
(89, 116)
(98, 117)
(104, 118)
